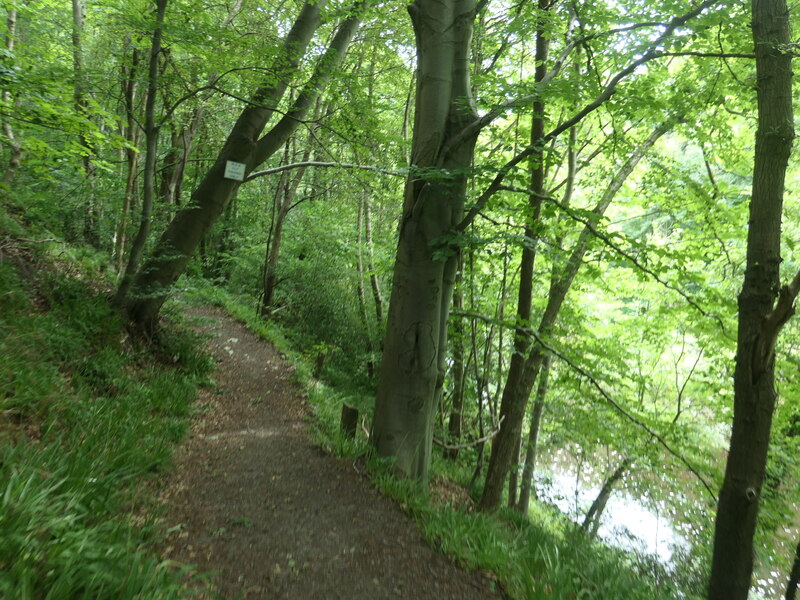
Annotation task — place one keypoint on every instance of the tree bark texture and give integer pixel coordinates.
(286, 193)
(244, 145)
(131, 133)
(459, 372)
(90, 219)
(363, 206)
(412, 368)
(760, 316)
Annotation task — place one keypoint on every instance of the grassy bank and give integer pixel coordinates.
(85, 418)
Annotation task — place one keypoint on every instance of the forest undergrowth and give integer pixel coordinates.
(87, 418)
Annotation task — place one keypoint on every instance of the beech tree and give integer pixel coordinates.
(412, 369)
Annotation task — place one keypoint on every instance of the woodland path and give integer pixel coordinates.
(255, 501)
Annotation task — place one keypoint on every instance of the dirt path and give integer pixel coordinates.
(253, 500)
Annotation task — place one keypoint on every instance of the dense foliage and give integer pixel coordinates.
(639, 125)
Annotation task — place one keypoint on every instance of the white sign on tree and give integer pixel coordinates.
(234, 170)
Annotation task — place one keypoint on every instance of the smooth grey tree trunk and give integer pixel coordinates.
(764, 307)
(412, 368)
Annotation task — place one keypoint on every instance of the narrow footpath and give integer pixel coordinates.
(253, 500)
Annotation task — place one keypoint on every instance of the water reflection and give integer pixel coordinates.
(627, 522)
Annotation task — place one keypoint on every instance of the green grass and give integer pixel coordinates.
(85, 416)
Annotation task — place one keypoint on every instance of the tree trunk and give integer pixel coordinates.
(130, 131)
(377, 295)
(459, 373)
(532, 446)
(412, 369)
(285, 195)
(16, 149)
(513, 475)
(151, 150)
(512, 408)
(362, 296)
(181, 140)
(283, 201)
(214, 193)
(591, 522)
(90, 232)
(760, 318)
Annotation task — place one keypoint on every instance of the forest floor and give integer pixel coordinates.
(253, 500)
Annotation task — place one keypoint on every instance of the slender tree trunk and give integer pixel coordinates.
(131, 132)
(412, 368)
(214, 193)
(513, 475)
(283, 201)
(377, 295)
(362, 296)
(532, 446)
(90, 232)
(794, 576)
(591, 522)
(15, 159)
(172, 173)
(287, 190)
(459, 372)
(760, 316)
(512, 408)
(151, 150)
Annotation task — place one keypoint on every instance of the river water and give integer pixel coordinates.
(627, 522)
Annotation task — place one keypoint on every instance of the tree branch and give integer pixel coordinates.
(609, 90)
(480, 440)
(316, 163)
(606, 239)
(772, 325)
